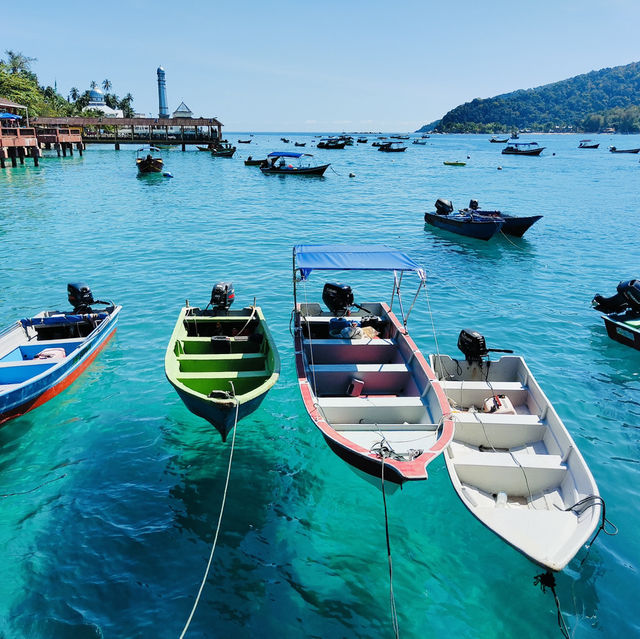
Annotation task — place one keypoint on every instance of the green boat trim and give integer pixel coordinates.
(208, 350)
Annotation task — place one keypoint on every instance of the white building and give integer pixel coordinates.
(96, 101)
(183, 111)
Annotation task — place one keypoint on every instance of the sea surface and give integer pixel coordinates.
(110, 492)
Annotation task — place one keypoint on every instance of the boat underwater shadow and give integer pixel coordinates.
(493, 250)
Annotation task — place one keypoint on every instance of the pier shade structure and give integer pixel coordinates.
(16, 142)
(117, 131)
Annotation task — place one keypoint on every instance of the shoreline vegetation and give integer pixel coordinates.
(606, 100)
(20, 84)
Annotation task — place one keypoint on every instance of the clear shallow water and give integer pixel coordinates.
(110, 492)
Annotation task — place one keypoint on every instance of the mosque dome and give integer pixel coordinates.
(96, 95)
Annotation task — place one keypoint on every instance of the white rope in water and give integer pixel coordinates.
(215, 539)
(392, 598)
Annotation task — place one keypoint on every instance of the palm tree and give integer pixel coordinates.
(106, 85)
(93, 84)
(125, 105)
(74, 94)
(18, 62)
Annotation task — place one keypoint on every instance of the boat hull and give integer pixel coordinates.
(36, 391)
(624, 150)
(226, 153)
(516, 467)
(513, 225)
(217, 361)
(311, 170)
(622, 332)
(346, 445)
(480, 230)
(511, 151)
(154, 165)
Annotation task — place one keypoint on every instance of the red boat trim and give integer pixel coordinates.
(404, 470)
(64, 383)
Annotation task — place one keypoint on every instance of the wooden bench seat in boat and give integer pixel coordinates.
(358, 351)
(358, 368)
(499, 431)
(224, 374)
(467, 393)
(499, 471)
(373, 410)
(221, 362)
(378, 379)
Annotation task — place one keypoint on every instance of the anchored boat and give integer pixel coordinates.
(221, 362)
(147, 163)
(276, 164)
(513, 224)
(42, 355)
(621, 313)
(512, 460)
(363, 381)
(522, 148)
(467, 223)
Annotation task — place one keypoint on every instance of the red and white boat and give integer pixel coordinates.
(363, 380)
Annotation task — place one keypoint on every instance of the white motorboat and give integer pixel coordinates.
(512, 460)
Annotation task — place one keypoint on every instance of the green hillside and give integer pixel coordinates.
(587, 102)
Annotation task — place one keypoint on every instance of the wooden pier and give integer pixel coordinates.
(17, 143)
(117, 131)
(61, 139)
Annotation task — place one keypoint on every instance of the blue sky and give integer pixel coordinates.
(290, 65)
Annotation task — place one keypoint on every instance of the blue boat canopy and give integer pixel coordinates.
(358, 257)
(286, 154)
(10, 116)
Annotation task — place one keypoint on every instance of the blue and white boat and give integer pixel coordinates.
(42, 355)
(277, 163)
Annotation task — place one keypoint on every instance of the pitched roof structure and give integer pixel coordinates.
(183, 111)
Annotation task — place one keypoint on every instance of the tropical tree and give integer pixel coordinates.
(17, 62)
(74, 94)
(93, 84)
(106, 85)
(125, 105)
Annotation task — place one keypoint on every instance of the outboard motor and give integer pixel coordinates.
(338, 298)
(473, 205)
(627, 297)
(444, 207)
(80, 297)
(474, 347)
(222, 296)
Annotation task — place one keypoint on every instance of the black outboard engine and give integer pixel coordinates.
(338, 298)
(473, 205)
(222, 296)
(474, 347)
(80, 297)
(627, 298)
(444, 207)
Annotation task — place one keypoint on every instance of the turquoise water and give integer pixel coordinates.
(110, 493)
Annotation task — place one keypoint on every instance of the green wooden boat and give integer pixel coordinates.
(211, 349)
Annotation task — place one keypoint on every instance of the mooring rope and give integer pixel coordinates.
(392, 599)
(547, 580)
(224, 499)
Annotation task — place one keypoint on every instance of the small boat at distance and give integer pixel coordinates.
(244, 141)
(146, 163)
(332, 143)
(363, 381)
(363, 141)
(613, 149)
(285, 140)
(512, 461)
(495, 140)
(513, 224)
(588, 144)
(276, 164)
(621, 313)
(469, 223)
(392, 147)
(251, 162)
(300, 144)
(223, 150)
(42, 355)
(454, 163)
(219, 361)
(420, 141)
(522, 148)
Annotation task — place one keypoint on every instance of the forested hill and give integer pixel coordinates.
(586, 102)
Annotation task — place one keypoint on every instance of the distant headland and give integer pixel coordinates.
(591, 102)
